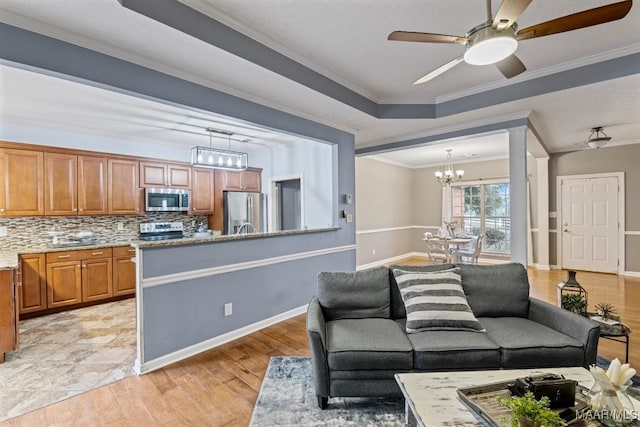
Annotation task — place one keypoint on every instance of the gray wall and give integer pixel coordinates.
(609, 159)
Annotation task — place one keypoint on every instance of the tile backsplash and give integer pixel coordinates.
(33, 231)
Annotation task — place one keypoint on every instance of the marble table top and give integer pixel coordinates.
(434, 401)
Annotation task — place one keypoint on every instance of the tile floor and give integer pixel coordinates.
(65, 354)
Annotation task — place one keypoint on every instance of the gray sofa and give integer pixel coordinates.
(358, 340)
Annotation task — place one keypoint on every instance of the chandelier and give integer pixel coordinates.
(598, 138)
(447, 177)
(219, 158)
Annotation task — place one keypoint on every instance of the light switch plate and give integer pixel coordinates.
(349, 217)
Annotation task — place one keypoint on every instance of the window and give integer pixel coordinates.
(484, 209)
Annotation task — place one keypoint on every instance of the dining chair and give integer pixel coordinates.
(437, 252)
(472, 252)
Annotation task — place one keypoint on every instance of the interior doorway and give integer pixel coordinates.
(591, 219)
(287, 203)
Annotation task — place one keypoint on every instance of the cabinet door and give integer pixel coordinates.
(123, 193)
(202, 198)
(251, 181)
(64, 283)
(33, 289)
(97, 279)
(153, 174)
(61, 184)
(8, 319)
(232, 180)
(124, 272)
(21, 182)
(179, 176)
(92, 185)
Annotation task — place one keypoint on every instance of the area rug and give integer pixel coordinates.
(287, 398)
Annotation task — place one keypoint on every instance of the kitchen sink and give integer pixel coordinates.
(73, 243)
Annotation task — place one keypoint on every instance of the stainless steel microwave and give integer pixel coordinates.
(166, 199)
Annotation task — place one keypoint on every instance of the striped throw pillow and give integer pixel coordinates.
(435, 301)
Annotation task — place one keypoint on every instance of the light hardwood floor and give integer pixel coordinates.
(220, 386)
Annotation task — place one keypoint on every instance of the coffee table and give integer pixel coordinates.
(431, 398)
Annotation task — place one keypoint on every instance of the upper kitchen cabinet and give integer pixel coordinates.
(247, 180)
(123, 195)
(202, 193)
(92, 185)
(75, 185)
(164, 175)
(60, 184)
(21, 189)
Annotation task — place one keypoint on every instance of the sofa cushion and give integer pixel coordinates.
(527, 344)
(435, 301)
(397, 306)
(367, 344)
(355, 295)
(496, 290)
(453, 350)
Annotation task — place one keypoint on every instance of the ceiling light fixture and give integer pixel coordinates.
(448, 177)
(218, 158)
(598, 138)
(488, 46)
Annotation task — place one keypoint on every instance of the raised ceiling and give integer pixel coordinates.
(346, 41)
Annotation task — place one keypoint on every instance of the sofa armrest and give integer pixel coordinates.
(317, 334)
(581, 328)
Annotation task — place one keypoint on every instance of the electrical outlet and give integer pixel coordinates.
(3, 231)
(373, 251)
(228, 309)
(120, 226)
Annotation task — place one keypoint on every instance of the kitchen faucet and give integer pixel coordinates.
(246, 224)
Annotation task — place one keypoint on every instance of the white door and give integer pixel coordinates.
(590, 224)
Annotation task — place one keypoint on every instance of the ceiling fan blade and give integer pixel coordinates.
(410, 36)
(511, 66)
(586, 18)
(435, 73)
(508, 13)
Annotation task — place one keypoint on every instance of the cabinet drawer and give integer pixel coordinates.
(124, 251)
(78, 255)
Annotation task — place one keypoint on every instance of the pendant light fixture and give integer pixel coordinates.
(447, 177)
(598, 138)
(211, 157)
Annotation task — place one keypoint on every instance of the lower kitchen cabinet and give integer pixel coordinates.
(33, 283)
(64, 283)
(124, 271)
(97, 281)
(8, 313)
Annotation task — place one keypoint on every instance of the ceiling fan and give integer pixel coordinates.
(494, 41)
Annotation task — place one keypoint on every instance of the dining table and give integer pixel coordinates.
(449, 242)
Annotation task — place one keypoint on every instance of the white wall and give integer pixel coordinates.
(311, 160)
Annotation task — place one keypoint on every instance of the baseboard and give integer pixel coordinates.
(387, 260)
(176, 356)
(632, 273)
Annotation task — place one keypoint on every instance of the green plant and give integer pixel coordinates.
(527, 406)
(574, 303)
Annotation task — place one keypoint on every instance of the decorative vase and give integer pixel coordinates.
(525, 422)
(611, 404)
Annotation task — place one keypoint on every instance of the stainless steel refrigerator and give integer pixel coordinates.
(244, 212)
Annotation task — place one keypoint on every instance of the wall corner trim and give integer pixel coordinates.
(184, 353)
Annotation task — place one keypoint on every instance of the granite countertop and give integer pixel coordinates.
(9, 258)
(224, 238)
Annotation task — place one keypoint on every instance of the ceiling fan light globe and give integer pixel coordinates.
(490, 51)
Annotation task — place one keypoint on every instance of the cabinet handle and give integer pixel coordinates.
(131, 250)
(84, 265)
(81, 209)
(74, 209)
(1, 209)
(64, 256)
(79, 266)
(96, 253)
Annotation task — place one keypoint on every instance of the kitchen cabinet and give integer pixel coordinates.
(247, 180)
(21, 182)
(60, 184)
(123, 194)
(164, 175)
(8, 313)
(202, 192)
(92, 185)
(78, 276)
(33, 283)
(124, 271)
